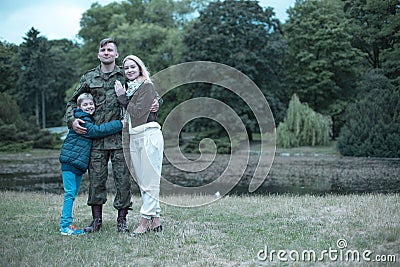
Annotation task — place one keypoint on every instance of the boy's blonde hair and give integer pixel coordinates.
(82, 97)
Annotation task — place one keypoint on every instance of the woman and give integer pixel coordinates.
(146, 142)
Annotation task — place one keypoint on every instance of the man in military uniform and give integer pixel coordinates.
(100, 83)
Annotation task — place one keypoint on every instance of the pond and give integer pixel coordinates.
(294, 174)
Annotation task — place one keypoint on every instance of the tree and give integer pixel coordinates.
(372, 127)
(48, 69)
(9, 110)
(375, 26)
(64, 57)
(303, 126)
(376, 32)
(9, 71)
(245, 36)
(149, 29)
(159, 46)
(17, 134)
(30, 84)
(95, 26)
(321, 63)
(322, 66)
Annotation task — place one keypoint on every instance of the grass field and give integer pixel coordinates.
(233, 231)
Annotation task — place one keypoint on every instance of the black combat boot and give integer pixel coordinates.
(95, 225)
(121, 221)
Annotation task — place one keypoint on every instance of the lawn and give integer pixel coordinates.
(233, 231)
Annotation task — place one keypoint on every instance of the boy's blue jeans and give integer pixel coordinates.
(71, 182)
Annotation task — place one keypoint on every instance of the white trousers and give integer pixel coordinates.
(146, 150)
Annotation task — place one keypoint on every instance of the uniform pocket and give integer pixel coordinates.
(98, 92)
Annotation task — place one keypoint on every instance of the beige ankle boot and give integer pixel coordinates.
(143, 228)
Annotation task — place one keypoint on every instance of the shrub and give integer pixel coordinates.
(372, 127)
(6, 146)
(303, 126)
(8, 132)
(222, 143)
(9, 110)
(18, 135)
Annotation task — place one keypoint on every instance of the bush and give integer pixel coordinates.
(46, 139)
(223, 143)
(8, 132)
(17, 135)
(15, 147)
(9, 110)
(303, 126)
(372, 127)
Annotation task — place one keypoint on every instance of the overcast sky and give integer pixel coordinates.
(57, 19)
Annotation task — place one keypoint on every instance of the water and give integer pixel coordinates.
(306, 174)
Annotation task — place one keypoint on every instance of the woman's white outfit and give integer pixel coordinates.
(146, 150)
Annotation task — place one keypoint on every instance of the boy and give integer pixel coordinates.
(75, 155)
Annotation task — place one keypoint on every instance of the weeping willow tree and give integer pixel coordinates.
(303, 126)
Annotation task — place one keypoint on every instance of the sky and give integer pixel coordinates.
(58, 19)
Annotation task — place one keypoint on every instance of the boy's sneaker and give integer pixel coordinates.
(71, 230)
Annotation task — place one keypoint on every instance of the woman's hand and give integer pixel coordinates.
(123, 123)
(155, 106)
(119, 89)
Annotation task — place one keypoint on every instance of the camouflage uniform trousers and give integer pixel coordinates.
(98, 174)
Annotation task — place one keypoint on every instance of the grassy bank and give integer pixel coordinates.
(229, 232)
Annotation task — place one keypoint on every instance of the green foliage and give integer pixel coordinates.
(321, 64)
(13, 147)
(326, 45)
(151, 30)
(48, 69)
(46, 140)
(303, 127)
(159, 47)
(95, 26)
(64, 58)
(9, 69)
(243, 35)
(223, 144)
(9, 110)
(375, 26)
(372, 127)
(17, 134)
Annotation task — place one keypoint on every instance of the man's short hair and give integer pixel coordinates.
(107, 41)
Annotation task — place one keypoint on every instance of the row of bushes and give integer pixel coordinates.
(371, 124)
(20, 135)
(371, 128)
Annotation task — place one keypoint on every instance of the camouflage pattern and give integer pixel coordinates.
(98, 173)
(101, 86)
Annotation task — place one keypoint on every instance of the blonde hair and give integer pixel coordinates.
(82, 97)
(144, 75)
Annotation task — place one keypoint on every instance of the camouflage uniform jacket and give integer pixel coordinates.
(101, 86)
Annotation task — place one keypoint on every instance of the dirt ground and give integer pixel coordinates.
(297, 174)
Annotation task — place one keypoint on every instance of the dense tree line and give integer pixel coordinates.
(335, 55)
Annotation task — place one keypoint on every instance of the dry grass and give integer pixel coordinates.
(228, 232)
